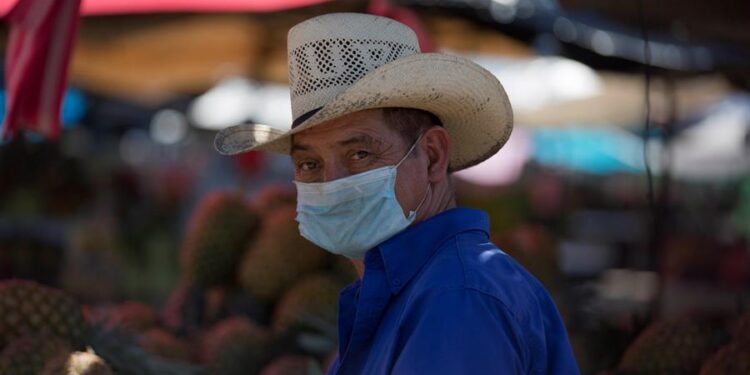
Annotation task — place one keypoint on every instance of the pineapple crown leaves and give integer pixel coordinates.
(121, 351)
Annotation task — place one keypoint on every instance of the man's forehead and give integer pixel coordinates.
(359, 127)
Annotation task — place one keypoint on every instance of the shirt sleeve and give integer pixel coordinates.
(460, 331)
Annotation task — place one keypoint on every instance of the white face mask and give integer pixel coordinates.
(351, 215)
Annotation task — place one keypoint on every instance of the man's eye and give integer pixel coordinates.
(359, 155)
(307, 165)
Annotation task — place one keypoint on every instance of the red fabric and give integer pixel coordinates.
(100, 7)
(406, 16)
(250, 162)
(36, 64)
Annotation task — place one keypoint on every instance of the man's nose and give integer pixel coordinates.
(333, 171)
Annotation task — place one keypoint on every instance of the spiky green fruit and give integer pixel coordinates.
(732, 359)
(28, 308)
(217, 235)
(292, 365)
(669, 347)
(77, 363)
(278, 256)
(29, 354)
(309, 303)
(235, 345)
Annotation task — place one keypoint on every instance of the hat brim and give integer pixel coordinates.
(469, 100)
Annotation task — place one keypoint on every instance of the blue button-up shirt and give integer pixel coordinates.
(439, 298)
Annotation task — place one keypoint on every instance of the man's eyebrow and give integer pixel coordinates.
(299, 147)
(359, 139)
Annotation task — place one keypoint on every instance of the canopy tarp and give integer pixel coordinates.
(102, 7)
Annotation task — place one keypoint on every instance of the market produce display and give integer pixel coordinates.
(278, 256)
(44, 331)
(235, 345)
(689, 345)
(217, 233)
(28, 308)
(310, 302)
(254, 297)
(77, 363)
(28, 355)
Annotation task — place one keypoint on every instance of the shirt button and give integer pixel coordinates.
(396, 282)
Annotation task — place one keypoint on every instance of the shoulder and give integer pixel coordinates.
(469, 279)
(471, 263)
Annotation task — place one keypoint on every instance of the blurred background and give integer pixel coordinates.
(624, 188)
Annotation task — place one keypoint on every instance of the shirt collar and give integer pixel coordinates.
(404, 254)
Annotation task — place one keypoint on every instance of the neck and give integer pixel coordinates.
(440, 197)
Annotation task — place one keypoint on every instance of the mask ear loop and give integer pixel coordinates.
(413, 146)
(424, 198)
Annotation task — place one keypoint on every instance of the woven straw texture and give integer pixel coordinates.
(343, 62)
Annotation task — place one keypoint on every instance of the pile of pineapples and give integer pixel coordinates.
(46, 331)
(42, 331)
(690, 346)
(255, 298)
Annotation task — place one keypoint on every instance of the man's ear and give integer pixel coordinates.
(436, 144)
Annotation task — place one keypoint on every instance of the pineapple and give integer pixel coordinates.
(181, 310)
(272, 197)
(669, 347)
(27, 355)
(235, 345)
(133, 316)
(77, 363)
(278, 256)
(30, 308)
(163, 344)
(309, 303)
(217, 234)
(292, 365)
(732, 359)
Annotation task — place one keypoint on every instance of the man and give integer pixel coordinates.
(378, 128)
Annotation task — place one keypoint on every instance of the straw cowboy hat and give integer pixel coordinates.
(342, 63)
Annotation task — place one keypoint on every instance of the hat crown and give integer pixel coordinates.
(329, 53)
